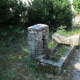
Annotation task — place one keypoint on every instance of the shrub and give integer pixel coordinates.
(51, 12)
(76, 4)
(10, 11)
(4, 11)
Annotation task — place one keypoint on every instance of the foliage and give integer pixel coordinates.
(51, 12)
(4, 11)
(60, 51)
(61, 30)
(51, 45)
(11, 11)
(9, 35)
(76, 4)
(75, 30)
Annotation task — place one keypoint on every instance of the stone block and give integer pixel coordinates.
(71, 40)
(38, 39)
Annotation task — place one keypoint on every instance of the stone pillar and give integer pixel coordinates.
(37, 39)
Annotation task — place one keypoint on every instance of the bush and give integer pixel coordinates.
(10, 11)
(76, 4)
(4, 11)
(51, 12)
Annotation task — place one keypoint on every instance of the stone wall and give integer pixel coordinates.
(38, 39)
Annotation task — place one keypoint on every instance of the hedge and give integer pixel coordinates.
(51, 12)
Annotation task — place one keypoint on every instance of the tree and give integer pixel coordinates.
(10, 11)
(76, 4)
(52, 12)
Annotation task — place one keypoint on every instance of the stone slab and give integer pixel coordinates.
(71, 40)
(38, 26)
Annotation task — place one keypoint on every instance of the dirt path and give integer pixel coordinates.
(76, 61)
(76, 19)
(76, 65)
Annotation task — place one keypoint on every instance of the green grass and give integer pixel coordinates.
(51, 44)
(60, 51)
(75, 31)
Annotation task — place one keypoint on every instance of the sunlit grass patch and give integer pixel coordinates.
(51, 44)
(69, 32)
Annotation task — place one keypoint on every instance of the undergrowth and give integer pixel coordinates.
(74, 31)
(60, 51)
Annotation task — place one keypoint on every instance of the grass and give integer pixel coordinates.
(75, 30)
(15, 63)
(51, 44)
(59, 52)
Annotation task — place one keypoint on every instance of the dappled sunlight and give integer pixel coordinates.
(15, 62)
(20, 57)
(77, 66)
(63, 58)
(26, 50)
(16, 56)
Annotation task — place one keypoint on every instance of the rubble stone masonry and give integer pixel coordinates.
(38, 39)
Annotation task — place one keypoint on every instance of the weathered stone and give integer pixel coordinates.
(72, 40)
(57, 65)
(38, 39)
(58, 38)
(75, 40)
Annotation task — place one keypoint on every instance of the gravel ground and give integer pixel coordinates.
(76, 62)
(76, 66)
